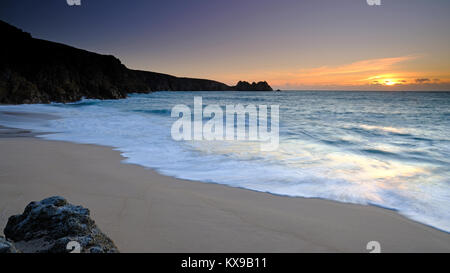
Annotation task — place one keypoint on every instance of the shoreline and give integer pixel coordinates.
(144, 211)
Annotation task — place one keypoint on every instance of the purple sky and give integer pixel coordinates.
(293, 44)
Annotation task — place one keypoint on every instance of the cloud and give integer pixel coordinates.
(356, 73)
(423, 80)
(370, 65)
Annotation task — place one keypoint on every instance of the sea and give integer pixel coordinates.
(387, 149)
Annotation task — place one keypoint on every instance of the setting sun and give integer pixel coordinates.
(389, 82)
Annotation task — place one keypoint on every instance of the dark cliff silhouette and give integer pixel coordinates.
(39, 71)
(245, 86)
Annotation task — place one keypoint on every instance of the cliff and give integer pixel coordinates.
(39, 71)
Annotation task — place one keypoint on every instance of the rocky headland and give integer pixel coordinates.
(38, 71)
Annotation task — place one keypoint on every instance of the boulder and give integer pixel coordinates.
(7, 246)
(55, 226)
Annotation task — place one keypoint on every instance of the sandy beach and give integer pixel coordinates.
(143, 211)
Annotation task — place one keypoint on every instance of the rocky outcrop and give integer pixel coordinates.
(245, 86)
(39, 71)
(53, 226)
(7, 246)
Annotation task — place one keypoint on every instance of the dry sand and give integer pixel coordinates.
(143, 211)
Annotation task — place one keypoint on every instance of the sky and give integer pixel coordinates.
(291, 44)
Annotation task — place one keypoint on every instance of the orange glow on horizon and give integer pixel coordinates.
(365, 74)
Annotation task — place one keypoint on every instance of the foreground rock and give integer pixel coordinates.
(54, 225)
(7, 246)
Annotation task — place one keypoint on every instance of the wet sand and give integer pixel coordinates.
(143, 211)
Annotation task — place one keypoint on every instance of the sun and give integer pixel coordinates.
(389, 82)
